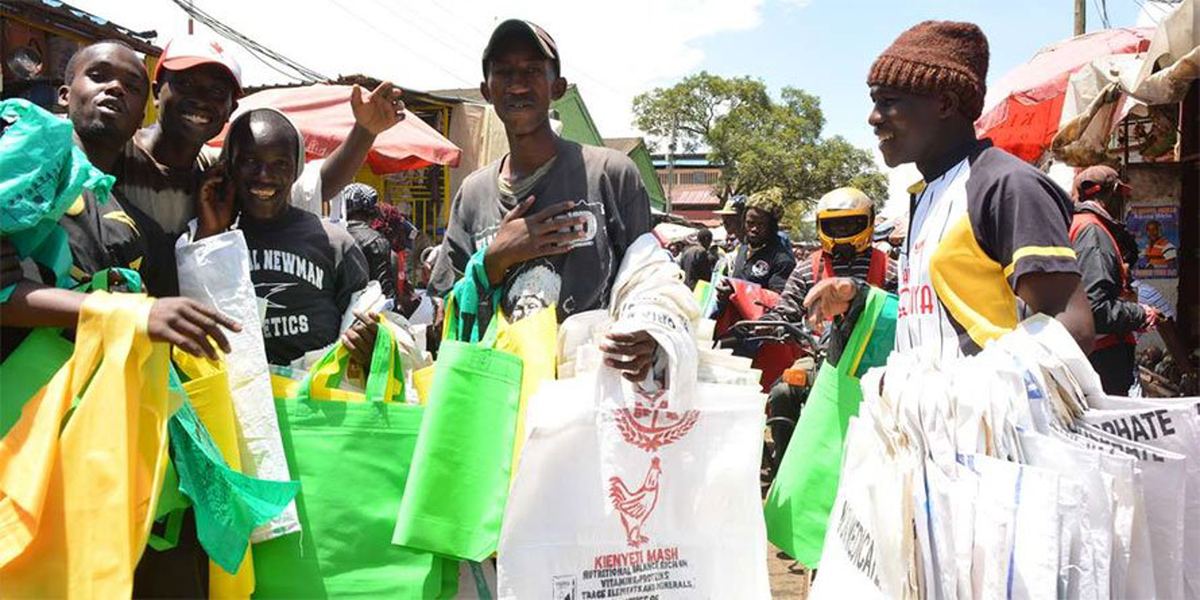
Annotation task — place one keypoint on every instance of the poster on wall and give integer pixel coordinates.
(1157, 232)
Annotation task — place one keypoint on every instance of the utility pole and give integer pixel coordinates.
(671, 165)
(1080, 17)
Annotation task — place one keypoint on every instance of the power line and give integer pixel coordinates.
(265, 55)
(465, 52)
(459, 50)
(1102, 11)
(460, 18)
(393, 40)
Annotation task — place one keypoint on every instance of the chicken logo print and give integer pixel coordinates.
(637, 505)
(650, 424)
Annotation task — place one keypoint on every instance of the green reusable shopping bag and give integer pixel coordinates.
(352, 460)
(33, 363)
(385, 374)
(462, 465)
(28, 369)
(799, 501)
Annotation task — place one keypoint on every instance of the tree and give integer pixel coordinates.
(759, 141)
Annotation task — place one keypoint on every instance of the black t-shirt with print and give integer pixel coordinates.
(100, 236)
(306, 270)
(103, 236)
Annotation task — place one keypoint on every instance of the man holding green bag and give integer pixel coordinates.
(554, 216)
(987, 247)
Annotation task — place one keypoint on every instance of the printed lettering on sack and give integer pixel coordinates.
(565, 588)
(637, 575)
(1088, 436)
(1142, 427)
(858, 544)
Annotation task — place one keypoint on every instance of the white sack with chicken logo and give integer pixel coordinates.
(638, 490)
(670, 509)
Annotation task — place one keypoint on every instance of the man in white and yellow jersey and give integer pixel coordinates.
(987, 243)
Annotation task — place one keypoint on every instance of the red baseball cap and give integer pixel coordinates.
(190, 51)
(1095, 178)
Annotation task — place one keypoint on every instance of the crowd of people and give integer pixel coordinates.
(990, 240)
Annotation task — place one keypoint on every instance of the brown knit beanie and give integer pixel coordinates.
(935, 56)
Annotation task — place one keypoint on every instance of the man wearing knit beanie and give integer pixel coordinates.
(987, 243)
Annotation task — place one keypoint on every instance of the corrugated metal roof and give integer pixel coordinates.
(85, 24)
(471, 94)
(698, 216)
(623, 145)
(700, 197)
(661, 163)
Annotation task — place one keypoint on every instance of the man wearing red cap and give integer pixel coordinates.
(1105, 249)
(196, 86)
(987, 242)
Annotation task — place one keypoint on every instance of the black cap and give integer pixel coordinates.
(518, 27)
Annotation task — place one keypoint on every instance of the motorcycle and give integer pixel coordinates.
(810, 352)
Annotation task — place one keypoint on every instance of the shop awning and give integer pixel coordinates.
(322, 112)
(1025, 116)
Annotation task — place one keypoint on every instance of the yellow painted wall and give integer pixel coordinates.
(151, 110)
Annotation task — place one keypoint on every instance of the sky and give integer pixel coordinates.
(621, 48)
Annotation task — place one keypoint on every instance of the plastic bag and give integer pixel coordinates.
(228, 504)
(216, 271)
(42, 172)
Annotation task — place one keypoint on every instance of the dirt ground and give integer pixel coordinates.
(788, 580)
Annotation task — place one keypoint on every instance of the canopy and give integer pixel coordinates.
(1024, 116)
(322, 112)
(1100, 95)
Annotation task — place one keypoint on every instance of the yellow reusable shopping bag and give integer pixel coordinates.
(208, 391)
(77, 500)
(383, 381)
(534, 340)
(423, 381)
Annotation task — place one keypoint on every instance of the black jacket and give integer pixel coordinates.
(381, 261)
(769, 266)
(1101, 266)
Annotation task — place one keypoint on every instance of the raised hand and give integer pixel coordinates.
(381, 110)
(830, 298)
(215, 207)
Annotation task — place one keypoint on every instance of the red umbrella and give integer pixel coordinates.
(322, 112)
(1031, 95)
